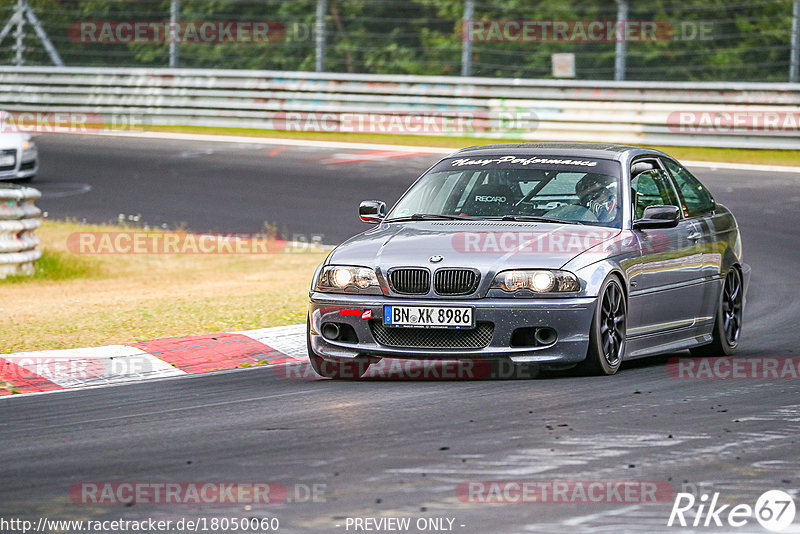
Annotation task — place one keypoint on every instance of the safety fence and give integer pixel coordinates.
(18, 221)
(743, 115)
(686, 40)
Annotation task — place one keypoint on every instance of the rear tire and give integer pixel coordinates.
(607, 333)
(338, 370)
(728, 322)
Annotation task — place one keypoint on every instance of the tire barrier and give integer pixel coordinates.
(19, 218)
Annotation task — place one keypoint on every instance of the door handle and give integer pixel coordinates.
(694, 236)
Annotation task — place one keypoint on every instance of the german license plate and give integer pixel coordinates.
(428, 316)
(6, 161)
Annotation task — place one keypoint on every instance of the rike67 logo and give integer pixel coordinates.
(774, 510)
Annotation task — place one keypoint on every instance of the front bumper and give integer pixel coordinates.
(570, 317)
(21, 170)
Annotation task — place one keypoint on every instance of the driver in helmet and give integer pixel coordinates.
(598, 194)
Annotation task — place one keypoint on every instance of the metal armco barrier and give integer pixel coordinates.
(743, 115)
(18, 221)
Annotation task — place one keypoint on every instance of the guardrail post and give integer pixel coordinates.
(621, 44)
(18, 220)
(19, 34)
(322, 8)
(794, 60)
(466, 41)
(174, 14)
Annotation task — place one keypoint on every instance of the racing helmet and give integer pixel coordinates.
(595, 186)
(598, 193)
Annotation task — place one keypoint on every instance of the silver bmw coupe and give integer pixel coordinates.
(552, 254)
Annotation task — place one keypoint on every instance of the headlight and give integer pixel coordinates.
(348, 279)
(538, 281)
(28, 146)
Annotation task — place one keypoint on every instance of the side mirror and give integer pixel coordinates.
(658, 217)
(372, 211)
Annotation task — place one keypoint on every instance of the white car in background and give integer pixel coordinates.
(19, 159)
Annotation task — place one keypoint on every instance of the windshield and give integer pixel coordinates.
(570, 190)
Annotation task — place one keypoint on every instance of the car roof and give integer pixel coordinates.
(588, 150)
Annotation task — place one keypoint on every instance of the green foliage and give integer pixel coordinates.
(57, 265)
(746, 40)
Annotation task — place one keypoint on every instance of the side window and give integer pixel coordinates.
(651, 188)
(697, 199)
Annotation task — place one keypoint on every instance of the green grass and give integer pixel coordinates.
(731, 155)
(83, 300)
(55, 265)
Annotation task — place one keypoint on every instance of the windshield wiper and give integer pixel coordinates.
(532, 218)
(428, 217)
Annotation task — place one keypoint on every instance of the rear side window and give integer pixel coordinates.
(696, 198)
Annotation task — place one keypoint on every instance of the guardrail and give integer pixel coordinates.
(744, 115)
(18, 221)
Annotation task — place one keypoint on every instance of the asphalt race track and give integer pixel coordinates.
(218, 187)
(397, 448)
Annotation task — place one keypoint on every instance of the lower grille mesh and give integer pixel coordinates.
(433, 338)
(9, 152)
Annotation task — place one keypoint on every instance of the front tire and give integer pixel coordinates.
(608, 331)
(338, 370)
(728, 322)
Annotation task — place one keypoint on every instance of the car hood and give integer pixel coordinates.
(488, 246)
